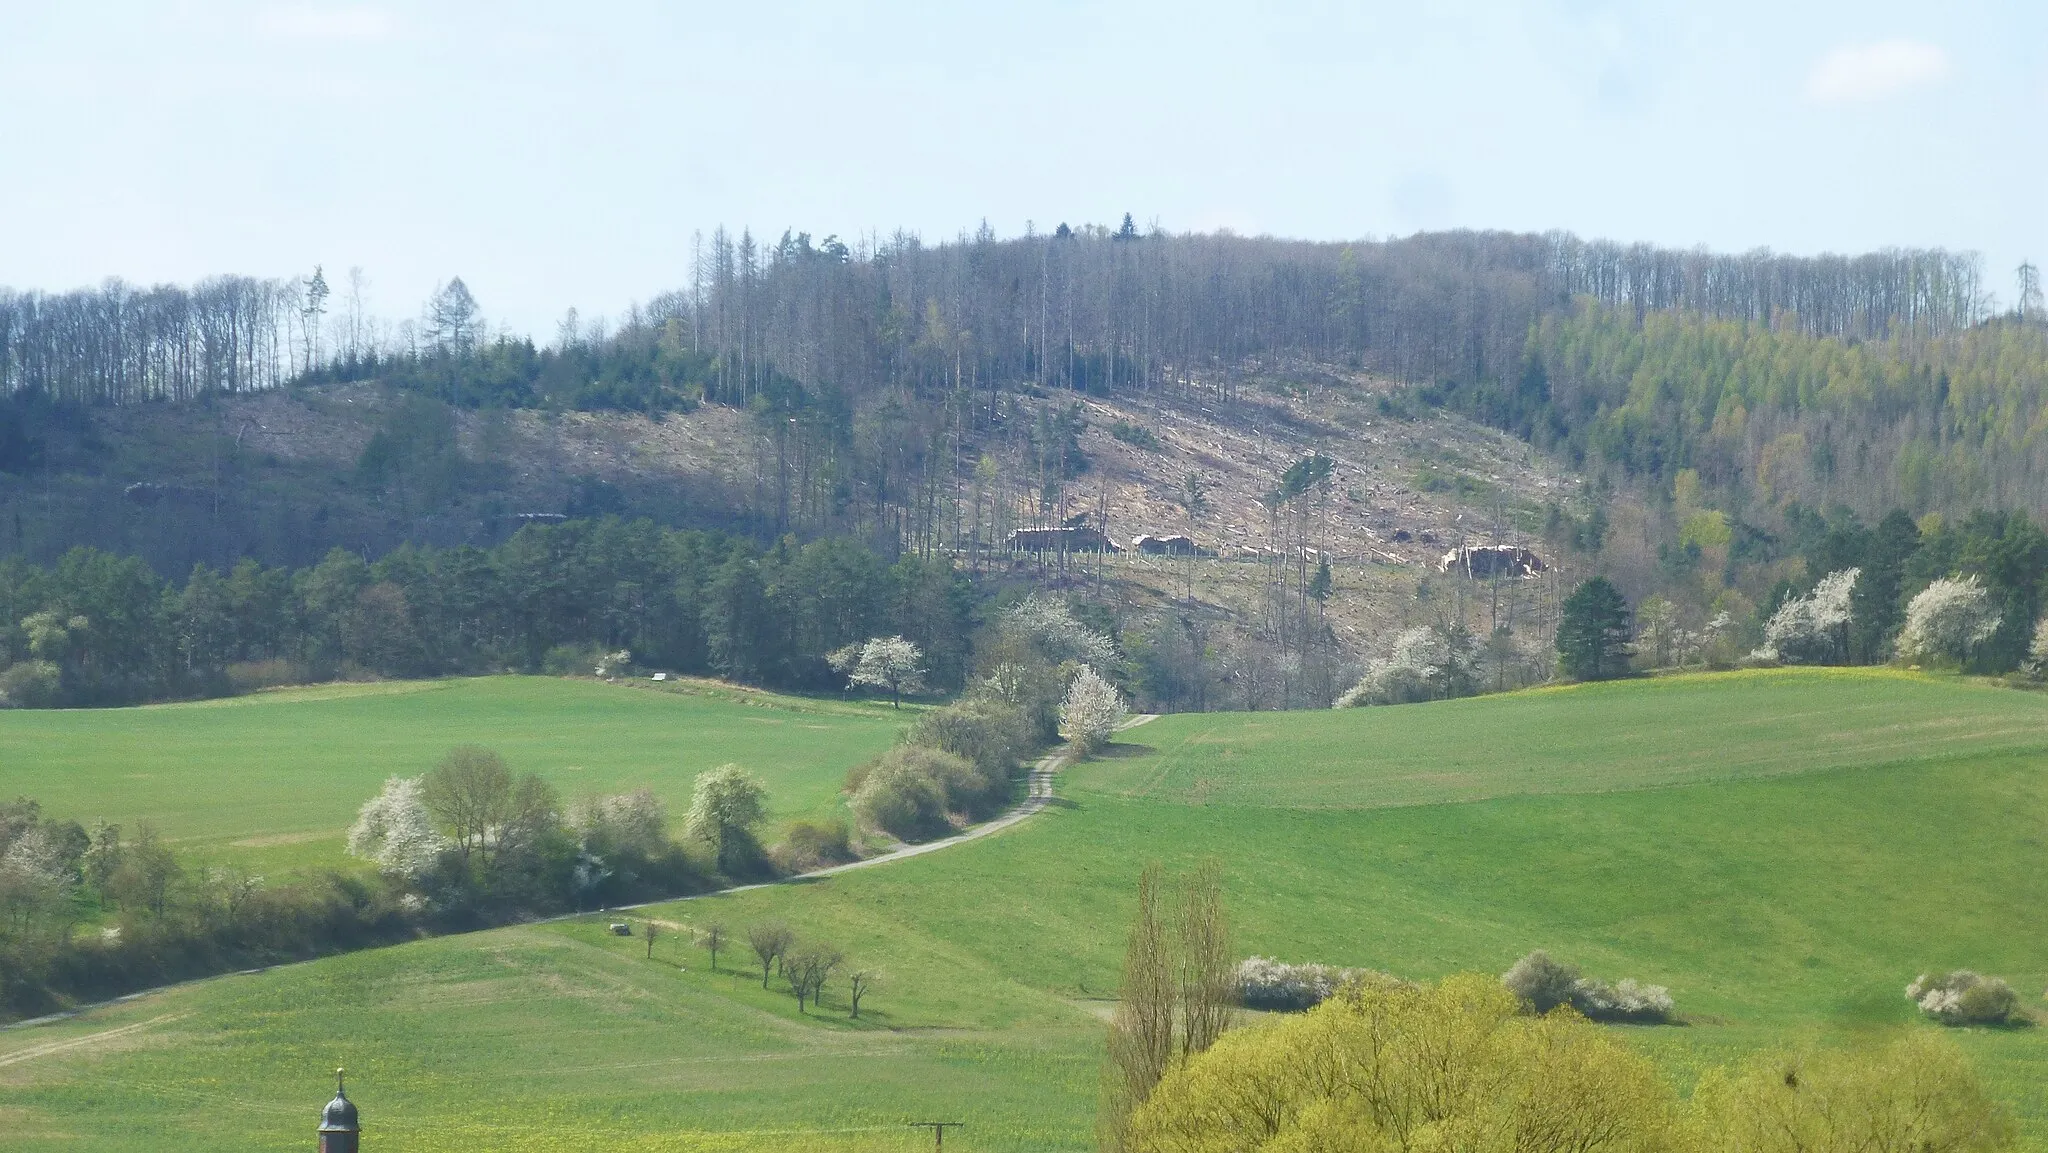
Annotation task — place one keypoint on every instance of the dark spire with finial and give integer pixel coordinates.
(340, 1129)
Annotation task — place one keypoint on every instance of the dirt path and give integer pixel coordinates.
(1038, 794)
(100, 1038)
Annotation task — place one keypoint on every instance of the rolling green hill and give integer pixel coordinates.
(1838, 834)
(275, 778)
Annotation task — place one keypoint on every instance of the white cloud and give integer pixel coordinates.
(327, 22)
(1859, 72)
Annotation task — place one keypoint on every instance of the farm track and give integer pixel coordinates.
(1038, 795)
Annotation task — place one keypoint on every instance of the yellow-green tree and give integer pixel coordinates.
(1403, 1067)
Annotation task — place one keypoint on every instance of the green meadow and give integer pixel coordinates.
(1784, 850)
(275, 778)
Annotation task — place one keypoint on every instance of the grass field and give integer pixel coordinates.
(1785, 883)
(275, 778)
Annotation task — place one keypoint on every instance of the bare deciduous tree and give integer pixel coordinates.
(714, 939)
(770, 942)
(860, 983)
(1207, 975)
(807, 969)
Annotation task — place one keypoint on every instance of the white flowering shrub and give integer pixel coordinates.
(1545, 984)
(1811, 629)
(1092, 712)
(1424, 665)
(635, 822)
(616, 664)
(1964, 998)
(395, 830)
(1264, 983)
(1946, 620)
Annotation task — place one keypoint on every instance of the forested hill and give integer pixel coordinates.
(886, 383)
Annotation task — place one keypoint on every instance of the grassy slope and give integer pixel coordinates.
(1776, 907)
(276, 777)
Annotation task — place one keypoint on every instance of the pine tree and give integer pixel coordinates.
(1593, 633)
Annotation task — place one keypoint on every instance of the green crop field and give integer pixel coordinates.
(276, 778)
(1783, 850)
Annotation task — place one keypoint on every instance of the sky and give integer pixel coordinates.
(565, 155)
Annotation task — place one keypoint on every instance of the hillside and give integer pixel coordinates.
(268, 783)
(285, 475)
(1785, 889)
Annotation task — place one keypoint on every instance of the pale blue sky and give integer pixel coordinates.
(562, 154)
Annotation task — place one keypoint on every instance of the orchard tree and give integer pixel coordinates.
(771, 942)
(1593, 632)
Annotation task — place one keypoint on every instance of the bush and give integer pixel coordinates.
(1135, 435)
(1543, 984)
(811, 845)
(910, 791)
(1092, 712)
(993, 734)
(1264, 983)
(1965, 998)
(1424, 665)
(31, 685)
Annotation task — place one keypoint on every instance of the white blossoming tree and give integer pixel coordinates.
(1425, 665)
(395, 830)
(726, 807)
(890, 663)
(1812, 629)
(1092, 711)
(1946, 620)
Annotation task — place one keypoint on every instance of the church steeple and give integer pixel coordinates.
(340, 1129)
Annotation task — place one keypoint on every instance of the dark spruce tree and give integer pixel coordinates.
(1593, 633)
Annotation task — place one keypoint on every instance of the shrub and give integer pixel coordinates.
(812, 844)
(635, 823)
(1543, 984)
(994, 735)
(1135, 435)
(1424, 665)
(910, 790)
(1264, 983)
(395, 830)
(1964, 998)
(31, 685)
(1812, 629)
(1092, 711)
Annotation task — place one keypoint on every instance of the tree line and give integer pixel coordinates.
(1088, 308)
(100, 629)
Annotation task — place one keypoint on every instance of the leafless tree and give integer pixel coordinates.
(860, 983)
(713, 937)
(771, 941)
